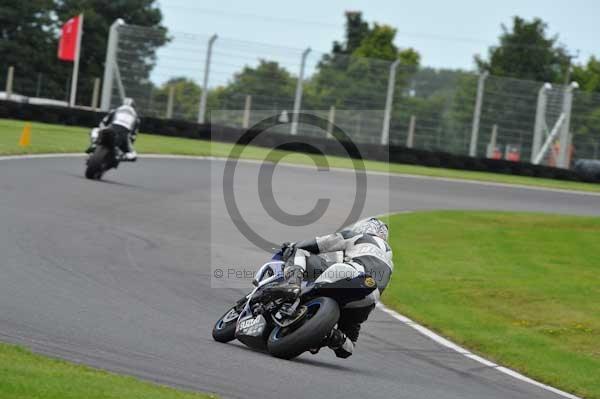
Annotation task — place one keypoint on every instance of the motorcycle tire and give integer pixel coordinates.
(97, 163)
(323, 314)
(224, 331)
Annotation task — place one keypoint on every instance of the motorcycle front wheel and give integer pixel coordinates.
(322, 315)
(224, 329)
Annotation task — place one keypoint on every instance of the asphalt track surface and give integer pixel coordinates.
(117, 275)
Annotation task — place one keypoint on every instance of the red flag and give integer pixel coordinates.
(67, 47)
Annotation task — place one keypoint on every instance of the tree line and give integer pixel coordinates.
(346, 77)
(29, 34)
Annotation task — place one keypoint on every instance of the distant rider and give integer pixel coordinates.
(124, 122)
(365, 248)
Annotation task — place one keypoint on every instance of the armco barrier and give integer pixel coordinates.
(397, 154)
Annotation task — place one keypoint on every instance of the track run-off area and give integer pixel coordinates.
(117, 275)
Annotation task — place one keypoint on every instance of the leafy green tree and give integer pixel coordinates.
(185, 100)
(138, 54)
(356, 31)
(29, 39)
(27, 42)
(585, 121)
(270, 85)
(378, 46)
(378, 43)
(439, 101)
(588, 75)
(526, 51)
(356, 73)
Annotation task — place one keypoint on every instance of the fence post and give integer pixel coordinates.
(170, 102)
(38, 89)
(410, 139)
(298, 97)
(553, 133)
(95, 93)
(202, 110)
(9, 82)
(540, 120)
(477, 114)
(331, 121)
(120, 85)
(565, 134)
(492, 144)
(110, 63)
(389, 101)
(247, 109)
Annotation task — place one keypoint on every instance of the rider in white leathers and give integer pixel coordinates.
(365, 249)
(124, 122)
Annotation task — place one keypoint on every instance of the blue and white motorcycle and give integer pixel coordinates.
(288, 325)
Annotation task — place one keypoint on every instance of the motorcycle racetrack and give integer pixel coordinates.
(117, 274)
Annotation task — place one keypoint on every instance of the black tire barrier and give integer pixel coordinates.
(584, 170)
(588, 169)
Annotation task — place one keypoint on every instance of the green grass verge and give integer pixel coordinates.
(59, 139)
(27, 375)
(521, 289)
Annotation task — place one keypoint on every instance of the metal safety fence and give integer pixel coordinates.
(375, 101)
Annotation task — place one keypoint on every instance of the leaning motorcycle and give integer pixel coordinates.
(106, 155)
(288, 325)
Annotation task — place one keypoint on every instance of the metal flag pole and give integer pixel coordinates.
(76, 63)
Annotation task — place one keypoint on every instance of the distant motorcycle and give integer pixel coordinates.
(106, 155)
(286, 325)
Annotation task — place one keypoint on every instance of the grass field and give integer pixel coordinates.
(522, 289)
(60, 139)
(24, 375)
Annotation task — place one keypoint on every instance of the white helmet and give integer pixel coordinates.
(372, 226)
(130, 102)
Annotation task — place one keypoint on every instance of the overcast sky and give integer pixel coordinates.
(446, 33)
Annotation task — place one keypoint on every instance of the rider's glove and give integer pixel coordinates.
(288, 251)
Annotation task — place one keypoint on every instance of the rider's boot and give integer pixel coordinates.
(289, 289)
(128, 152)
(341, 345)
(130, 155)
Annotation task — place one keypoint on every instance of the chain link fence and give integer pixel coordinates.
(585, 124)
(375, 101)
(427, 108)
(41, 88)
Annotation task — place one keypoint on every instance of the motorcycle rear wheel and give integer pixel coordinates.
(97, 164)
(322, 315)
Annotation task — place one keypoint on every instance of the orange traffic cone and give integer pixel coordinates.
(25, 139)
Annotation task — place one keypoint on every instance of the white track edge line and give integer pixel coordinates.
(459, 349)
(451, 345)
(254, 161)
(462, 351)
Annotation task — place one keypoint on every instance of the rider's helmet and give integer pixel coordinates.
(128, 101)
(372, 226)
